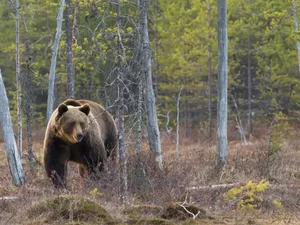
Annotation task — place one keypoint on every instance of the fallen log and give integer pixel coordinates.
(9, 198)
(232, 185)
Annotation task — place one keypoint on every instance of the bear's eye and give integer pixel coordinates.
(82, 124)
(72, 123)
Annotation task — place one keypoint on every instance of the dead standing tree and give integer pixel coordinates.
(222, 83)
(296, 22)
(53, 61)
(152, 123)
(28, 99)
(13, 156)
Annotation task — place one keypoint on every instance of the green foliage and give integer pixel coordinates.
(280, 129)
(96, 192)
(248, 197)
(185, 52)
(94, 46)
(278, 204)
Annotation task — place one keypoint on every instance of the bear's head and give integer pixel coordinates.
(71, 122)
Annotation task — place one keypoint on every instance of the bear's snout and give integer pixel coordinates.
(79, 137)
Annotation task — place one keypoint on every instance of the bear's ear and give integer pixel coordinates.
(85, 109)
(62, 108)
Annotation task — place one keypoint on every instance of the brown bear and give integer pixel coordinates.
(80, 131)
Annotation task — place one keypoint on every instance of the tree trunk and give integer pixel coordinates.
(28, 102)
(222, 83)
(13, 156)
(209, 75)
(152, 123)
(297, 29)
(122, 144)
(156, 77)
(55, 100)
(74, 39)
(185, 115)
(18, 79)
(140, 118)
(209, 97)
(142, 182)
(178, 123)
(69, 64)
(249, 87)
(53, 61)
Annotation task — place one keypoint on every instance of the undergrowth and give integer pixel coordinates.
(187, 178)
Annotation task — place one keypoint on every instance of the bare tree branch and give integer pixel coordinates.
(16, 10)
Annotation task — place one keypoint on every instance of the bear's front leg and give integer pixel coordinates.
(55, 162)
(57, 173)
(96, 159)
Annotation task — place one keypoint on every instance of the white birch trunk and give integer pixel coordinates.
(53, 60)
(222, 83)
(122, 144)
(18, 79)
(152, 123)
(13, 156)
(297, 29)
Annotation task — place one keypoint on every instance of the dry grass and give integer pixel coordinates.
(194, 167)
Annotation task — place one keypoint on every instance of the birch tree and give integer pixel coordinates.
(296, 22)
(222, 83)
(150, 101)
(13, 156)
(53, 60)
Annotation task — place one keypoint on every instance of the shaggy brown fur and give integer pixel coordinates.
(80, 131)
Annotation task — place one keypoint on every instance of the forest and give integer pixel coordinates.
(101, 53)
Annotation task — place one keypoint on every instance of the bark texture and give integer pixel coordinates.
(150, 101)
(54, 60)
(13, 156)
(222, 83)
(122, 144)
(296, 22)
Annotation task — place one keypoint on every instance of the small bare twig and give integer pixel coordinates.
(16, 10)
(239, 122)
(167, 123)
(192, 214)
(11, 216)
